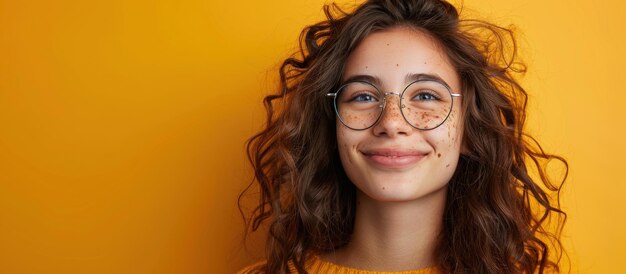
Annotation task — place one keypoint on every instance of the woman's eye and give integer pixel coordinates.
(425, 96)
(364, 98)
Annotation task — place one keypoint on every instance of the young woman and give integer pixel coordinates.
(397, 144)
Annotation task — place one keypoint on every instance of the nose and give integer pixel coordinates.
(391, 122)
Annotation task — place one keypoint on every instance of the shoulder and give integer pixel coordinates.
(253, 268)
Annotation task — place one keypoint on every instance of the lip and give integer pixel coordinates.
(393, 158)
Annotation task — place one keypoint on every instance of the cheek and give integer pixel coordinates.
(454, 129)
(448, 135)
(344, 144)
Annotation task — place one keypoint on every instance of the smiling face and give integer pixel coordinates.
(393, 161)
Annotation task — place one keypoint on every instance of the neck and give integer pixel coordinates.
(394, 236)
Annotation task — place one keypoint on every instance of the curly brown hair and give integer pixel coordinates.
(498, 215)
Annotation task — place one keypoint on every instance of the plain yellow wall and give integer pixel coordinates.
(122, 125)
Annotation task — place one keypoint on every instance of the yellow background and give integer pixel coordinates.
(122, 125)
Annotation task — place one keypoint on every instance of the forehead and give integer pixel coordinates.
(392, 54)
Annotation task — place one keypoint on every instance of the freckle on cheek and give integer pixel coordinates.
(438, 155)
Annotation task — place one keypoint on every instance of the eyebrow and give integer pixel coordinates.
(411, 77)
(363, 78)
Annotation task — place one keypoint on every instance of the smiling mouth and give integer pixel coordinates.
(393, 158)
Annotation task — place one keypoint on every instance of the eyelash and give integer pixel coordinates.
(427, 93)
(355, 98)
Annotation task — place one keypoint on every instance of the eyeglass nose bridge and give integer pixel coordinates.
(384, 101)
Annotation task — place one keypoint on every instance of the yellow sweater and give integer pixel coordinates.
(318, 266)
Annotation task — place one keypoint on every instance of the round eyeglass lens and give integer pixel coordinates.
(426, 104)
(358, 105)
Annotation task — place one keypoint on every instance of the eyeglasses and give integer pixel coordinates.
(424, 104)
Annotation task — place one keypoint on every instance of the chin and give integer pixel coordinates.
(402, 193)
